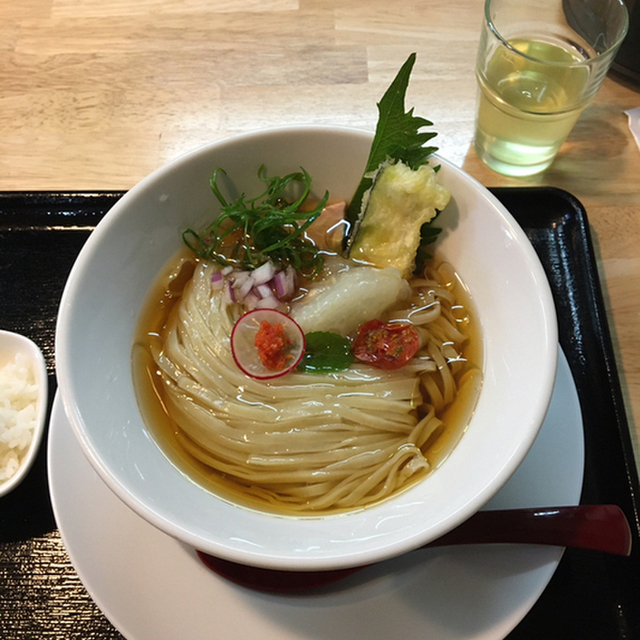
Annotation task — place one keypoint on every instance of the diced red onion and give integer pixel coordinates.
(263, 273)
(251, 301)
(280, 284)
(264, 290)
(263, 287)
(284, 283)
(244, 289)
(230, 293)
(239, 278)
(270, 302)
(217, 280)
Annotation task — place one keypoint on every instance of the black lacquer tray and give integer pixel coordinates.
(591, 596)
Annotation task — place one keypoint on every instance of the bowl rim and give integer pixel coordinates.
(64, 338)
(14, 343)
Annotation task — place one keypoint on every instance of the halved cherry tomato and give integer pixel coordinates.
(386, 346)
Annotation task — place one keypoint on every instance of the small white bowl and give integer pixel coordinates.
(120, 261)
(11, 344)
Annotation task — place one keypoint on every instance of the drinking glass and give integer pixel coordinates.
(539, 65)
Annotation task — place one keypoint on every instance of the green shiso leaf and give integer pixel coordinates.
(325, 352)
(397, 136)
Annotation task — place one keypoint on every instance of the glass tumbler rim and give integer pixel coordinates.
(582, 63)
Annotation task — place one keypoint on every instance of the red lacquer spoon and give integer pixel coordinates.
(601, 528)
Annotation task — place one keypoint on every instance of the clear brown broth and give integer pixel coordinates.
(154, 317)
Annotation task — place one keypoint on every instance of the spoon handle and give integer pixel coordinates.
(595, 527)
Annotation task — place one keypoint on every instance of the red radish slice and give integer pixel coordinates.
(248, 356)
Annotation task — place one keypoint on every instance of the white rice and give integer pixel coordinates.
(18, 405)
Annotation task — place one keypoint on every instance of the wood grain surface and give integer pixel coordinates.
(95, 94)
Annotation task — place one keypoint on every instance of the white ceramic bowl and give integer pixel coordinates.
(12, 344)
(112, 276)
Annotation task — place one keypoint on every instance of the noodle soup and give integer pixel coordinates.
(304, 443)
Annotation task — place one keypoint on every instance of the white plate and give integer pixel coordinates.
(152, 587)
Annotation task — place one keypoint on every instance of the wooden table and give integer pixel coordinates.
(95, 94)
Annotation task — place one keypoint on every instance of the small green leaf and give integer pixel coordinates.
(325, 352)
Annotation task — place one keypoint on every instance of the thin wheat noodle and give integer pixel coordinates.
(311, 442)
